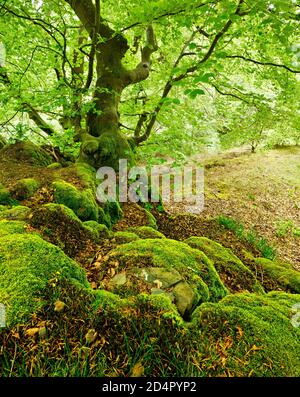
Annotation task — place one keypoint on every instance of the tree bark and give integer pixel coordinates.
(103, 142)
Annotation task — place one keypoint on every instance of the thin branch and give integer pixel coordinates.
(263, 63)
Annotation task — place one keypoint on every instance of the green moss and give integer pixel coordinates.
(104, 218)
(125, 237)
(249, 335)
(193, 266)
(100, 231)
(235, 275)
(25, 188)
(54, 166)
(151, 219)
(61, 226)
(5, 198)
(11, 227)
(283, 274)
(146, 232)
(27, 152)
(114, 210)
(82, 203)
(27, 264)
(87, 174)
(19, 212)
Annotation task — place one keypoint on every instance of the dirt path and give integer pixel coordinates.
(262, 191)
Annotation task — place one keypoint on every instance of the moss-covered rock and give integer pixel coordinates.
(27, 152)
(234, 274)
(283, 274)
(138, 259)
(248, 335)
(20, 213)
(27, 264)
(11, 227)
(151, 219)
(83, 203)
(125, 237)
(5, 197)
(100, 231)
(25, 188)
(146, 232)
(60, 225)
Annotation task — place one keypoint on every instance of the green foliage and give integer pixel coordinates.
(250, 236)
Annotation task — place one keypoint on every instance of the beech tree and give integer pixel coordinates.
(108, 71)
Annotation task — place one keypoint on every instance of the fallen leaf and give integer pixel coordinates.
(137, 370)
(59, 306)
(90, 336)
(32, 332)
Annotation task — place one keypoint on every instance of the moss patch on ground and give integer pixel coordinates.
(146, 232)
(248, 335)
(19, 212)
(25, 188)
(283, 274)
(234, 274)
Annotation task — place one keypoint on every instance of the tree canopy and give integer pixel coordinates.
(89, 71)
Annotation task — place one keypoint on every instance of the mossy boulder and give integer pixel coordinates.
(100, 231)
(60, 225)
(283, 274)
(11, 227)
(19, 212)
(248, 335)
(27, 266)
(125, 237)
(199, 281)
(5, 197)
(234, 274)
(25, 188)
(83, 203)
(27, 152)
(146, 232)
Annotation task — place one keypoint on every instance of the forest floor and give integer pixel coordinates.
(261, 191)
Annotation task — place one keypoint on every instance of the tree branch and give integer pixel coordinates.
(190, 70)
(263, 63)
(142, 71)
(37, 119)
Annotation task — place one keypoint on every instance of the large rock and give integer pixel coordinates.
(169, 267)
(234, 274)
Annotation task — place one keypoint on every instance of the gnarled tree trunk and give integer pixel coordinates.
(102, 142)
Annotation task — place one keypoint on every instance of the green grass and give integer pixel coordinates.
(250, 236)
